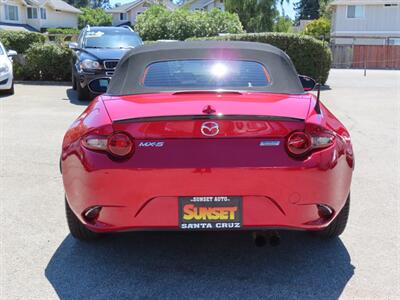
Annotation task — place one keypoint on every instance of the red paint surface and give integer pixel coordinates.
(142, 192)
(167, 104)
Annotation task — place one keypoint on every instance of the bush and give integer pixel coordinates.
(63, 30)
(159, 23)
(94, 17)
(48, 61)
(310, 56)
(20, 40)
(320, 29)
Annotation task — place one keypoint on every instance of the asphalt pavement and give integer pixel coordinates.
(40, 260)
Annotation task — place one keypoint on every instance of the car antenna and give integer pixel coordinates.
(317, 104)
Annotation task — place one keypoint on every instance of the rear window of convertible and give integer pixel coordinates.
(205, 73)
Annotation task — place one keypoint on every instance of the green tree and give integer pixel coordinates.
(94, 17)
(324, 9)
(79, 3)
(283, 24)
(90, 3)
(320, 29)
(101, 3)
(255, 15)
(307, 10)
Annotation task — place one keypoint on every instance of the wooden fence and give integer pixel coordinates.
(366, 56)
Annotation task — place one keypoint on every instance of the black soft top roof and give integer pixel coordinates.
(129, 73)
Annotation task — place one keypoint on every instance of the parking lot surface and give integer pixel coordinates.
(40, 260)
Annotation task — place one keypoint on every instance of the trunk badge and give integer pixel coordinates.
(209, 110)
(209, 128)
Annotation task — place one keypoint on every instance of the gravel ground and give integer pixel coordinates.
(40, 260)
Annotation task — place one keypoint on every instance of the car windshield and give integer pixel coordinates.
(206, 73)
(100, 39)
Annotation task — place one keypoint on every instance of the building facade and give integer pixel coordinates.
(37, 15)
(366, 33)
(205, 4)
(126, 14)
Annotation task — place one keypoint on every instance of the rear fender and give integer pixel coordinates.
(95, 116)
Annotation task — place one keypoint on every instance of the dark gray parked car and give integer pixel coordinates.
(96, 55)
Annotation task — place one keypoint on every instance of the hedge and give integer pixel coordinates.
(311, 57)
(50, 61)
(158, 23)
(20, 41)
(63, 30)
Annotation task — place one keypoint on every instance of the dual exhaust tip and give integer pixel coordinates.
(262, 238)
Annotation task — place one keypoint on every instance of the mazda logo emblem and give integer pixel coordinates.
(209, 128)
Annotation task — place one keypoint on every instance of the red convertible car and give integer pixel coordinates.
(206, 136)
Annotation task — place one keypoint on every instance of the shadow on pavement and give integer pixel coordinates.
(73, 98)
(4, 94)
(153, 265)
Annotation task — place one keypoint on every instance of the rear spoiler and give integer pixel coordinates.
(218, 91)
(207, 117)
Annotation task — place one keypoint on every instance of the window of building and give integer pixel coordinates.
(123, 16)
(11, 12)
(32, 13)
(391, 5)
(43, 13)
(394, 41)
(355, 11)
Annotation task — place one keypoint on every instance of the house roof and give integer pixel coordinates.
(55, 4)
(124, 7)
(203, 5)
(128, 6)
(16, 27)
(364, 2)
(63, 6)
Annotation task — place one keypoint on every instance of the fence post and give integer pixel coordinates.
(365, 60)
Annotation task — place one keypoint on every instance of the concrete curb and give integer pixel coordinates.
(26, 82)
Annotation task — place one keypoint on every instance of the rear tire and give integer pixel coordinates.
(83, 92)
(10, 91)
(74, 85)
(338, 225)
(76, 228)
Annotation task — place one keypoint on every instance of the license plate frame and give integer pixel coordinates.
(210, 212)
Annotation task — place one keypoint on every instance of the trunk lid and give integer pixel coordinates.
(190, 104)
(207, 115)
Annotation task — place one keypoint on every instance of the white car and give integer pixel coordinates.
(6, 70)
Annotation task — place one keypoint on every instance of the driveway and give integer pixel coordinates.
(40, 260)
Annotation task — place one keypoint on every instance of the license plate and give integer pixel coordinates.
(210, 213)
(104, 83)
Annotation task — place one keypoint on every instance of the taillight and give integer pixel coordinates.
(95, 142)
(118, 144)
(299, 143)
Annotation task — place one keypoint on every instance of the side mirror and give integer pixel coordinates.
(12, 53)
(73, 45)
(307, 82)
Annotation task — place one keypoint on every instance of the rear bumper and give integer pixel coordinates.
(147, 198)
